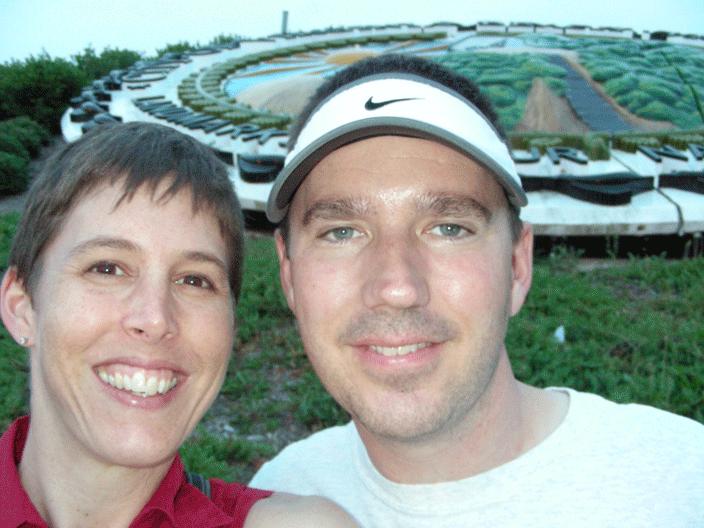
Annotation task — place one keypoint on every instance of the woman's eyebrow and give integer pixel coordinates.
(126, 245)
(208, 258)
(454, 205)
(336, 209)
(103, 242)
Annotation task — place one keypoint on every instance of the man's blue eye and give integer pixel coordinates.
(449, 230)
(341, 233)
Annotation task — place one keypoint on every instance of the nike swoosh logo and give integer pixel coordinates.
(371, 105)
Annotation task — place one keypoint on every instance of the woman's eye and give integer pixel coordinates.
(195, 281)
(449, 230)
(340, 234)
(107, 268)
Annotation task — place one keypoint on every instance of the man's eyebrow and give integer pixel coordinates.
(454, 205)
(336, 208)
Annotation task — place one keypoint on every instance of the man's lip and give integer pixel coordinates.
(407, 356)
(390, 342)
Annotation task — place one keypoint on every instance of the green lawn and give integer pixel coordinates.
(633, 331)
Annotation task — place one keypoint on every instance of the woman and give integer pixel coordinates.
(122, 281)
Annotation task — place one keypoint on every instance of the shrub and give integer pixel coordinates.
(237, 117)
(500, 95)
(634, 100)
(621, 85)
(14, 173)
(11, 145)
(682, 141)
(179, 47)
(271, 121)
(95, 66)
(224, 39)
(39, 87)
(29, 133)
(659, 92)
(630, 143)
(215, 110)
(596, 147)
(493, 77)
(536, 67)
(200, 103)
(605, 73)
(8, 226)
(556, 85)
(542, 143)
(656, 110)
(510, 116)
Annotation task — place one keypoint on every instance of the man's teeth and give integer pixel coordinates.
(138, 383)
(398, 351)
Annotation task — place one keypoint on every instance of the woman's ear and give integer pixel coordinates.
(16, 308)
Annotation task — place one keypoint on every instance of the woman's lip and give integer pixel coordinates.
(129, 399)
(142, 363)
(139, 397)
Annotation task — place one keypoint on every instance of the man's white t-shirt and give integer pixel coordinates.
(605, 465)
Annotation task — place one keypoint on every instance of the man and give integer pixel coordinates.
(403, 257)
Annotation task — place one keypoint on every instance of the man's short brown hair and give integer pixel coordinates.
(131, 155)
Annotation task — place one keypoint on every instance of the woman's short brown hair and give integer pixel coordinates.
(131, 155)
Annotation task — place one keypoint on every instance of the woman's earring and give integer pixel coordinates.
(23, 341)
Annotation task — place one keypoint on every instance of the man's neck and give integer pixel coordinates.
(509, 419)
(69, 489)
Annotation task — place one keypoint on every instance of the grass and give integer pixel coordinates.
(633, 334)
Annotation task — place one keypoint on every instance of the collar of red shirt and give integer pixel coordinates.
(175, 503)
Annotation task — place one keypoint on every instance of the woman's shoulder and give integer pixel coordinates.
(284, 509)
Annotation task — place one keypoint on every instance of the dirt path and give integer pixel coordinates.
(572, 59)
(547, 112)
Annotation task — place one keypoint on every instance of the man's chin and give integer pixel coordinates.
(402, 427)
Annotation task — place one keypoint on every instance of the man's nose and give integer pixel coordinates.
(395, 271)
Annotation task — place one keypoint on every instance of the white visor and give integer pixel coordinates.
(394, 104)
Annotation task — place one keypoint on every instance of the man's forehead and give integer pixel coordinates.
(365, 205)
(403, 164)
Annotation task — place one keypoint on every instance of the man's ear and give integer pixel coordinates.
(284, 269)
(16, 308)
(522, 268)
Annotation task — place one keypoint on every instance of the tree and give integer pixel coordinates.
(95, 66)
(40, 87)
(178, 47)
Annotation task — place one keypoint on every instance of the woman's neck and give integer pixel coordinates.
(69, 487)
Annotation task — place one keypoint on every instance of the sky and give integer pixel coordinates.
(65, 27)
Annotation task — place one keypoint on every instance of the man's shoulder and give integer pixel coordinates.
(324, 442)
(588, 404)
(324, 454)
(621, 424)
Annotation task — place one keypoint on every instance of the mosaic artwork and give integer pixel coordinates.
(606, 126)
